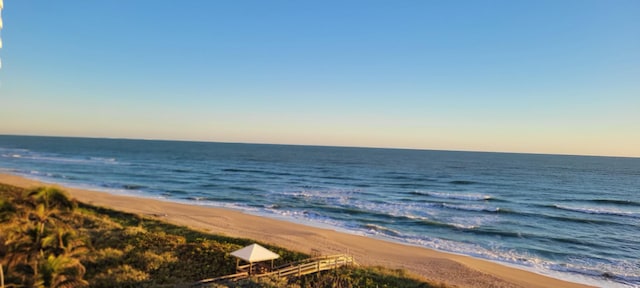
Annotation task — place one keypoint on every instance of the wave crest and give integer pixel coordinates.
(456, 196)
(377, 229)
(600, 210)
(475, 208)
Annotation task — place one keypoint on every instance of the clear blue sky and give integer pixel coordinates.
(518, 76)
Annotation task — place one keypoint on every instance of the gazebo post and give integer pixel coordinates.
(237, 264)
(250, 267)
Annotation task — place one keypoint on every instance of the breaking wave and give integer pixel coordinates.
(599, 210)
(457, 196)
(476, 208)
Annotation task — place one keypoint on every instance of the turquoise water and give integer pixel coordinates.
(572, 217)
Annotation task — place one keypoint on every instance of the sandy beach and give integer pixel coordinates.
(448, 268)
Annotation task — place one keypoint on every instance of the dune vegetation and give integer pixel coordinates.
(50, 240)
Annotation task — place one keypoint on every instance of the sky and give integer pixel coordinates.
(559, 77)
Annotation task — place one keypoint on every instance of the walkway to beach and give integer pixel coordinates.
(299, 268)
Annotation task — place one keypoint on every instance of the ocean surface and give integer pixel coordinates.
(571, 217)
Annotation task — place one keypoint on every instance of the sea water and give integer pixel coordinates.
(571, 217)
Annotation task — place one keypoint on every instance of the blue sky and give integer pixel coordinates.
(515, 76)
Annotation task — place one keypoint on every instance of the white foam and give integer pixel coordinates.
(477, 208)
(23, 154)
(381, 230)
(459, 196)
(599, 210)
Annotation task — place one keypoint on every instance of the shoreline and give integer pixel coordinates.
(449, 268)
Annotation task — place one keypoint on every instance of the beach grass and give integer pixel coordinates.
(49, 240)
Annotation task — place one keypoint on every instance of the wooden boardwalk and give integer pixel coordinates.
(294, 269)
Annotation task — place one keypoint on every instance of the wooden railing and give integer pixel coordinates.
(304, 267)
(316, 265)
(309, 260)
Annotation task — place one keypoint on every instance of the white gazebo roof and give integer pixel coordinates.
(255, 253)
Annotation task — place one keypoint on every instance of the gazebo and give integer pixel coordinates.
(252, 254)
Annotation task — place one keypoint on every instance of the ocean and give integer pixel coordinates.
(571, 217)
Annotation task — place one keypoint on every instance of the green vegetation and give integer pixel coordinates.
(48, 240)
(38, 246)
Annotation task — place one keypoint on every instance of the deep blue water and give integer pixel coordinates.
(572, 217)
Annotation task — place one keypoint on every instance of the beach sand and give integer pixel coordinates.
(437, 266)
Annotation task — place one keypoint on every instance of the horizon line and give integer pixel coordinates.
(319, 145)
